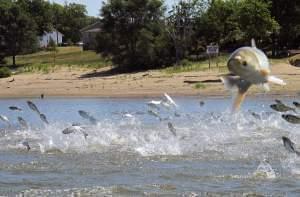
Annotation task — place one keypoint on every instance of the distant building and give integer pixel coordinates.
(56, 36)
(88, 36)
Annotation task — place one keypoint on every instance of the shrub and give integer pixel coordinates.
(4, 72)
(2, 60)
(200, 85)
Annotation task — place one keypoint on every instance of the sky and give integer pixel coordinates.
(92, 6)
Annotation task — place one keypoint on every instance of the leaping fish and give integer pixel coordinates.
(73, 129)
(289, 145)
(15, 108)
(26, 144)
(296, 104)
(22, 122)
(154, 104)
(171, 128)
(44, 118)
(33, 107)
(280, 107)
(87, 116)
(170, 100)
(250, 66)
(4, 119)
(291, 118)
(155, 114)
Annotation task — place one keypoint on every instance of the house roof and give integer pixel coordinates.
(53, 30)
(95, 27)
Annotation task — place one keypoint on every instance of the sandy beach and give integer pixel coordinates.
(67, 82)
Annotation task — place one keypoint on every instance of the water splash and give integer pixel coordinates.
(264, 170)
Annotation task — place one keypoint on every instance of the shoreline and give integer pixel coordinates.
(89, 83)
(154, 96)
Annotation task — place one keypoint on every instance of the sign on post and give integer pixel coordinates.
(212, 50)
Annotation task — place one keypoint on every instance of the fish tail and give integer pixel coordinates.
(240, 97)
(275, 80)
(233, 82)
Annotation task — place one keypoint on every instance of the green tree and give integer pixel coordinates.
(133, 34)
(17, 30)
(287, 14)
(256, 21)
(181, 26)
(40, 11)
(73, 19)
(219, 24)
(233, 23)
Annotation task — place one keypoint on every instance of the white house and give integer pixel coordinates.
(55, 35)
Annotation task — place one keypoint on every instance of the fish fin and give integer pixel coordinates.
(297, 153)
(275, 80)
(232, 82)
(253, 43)
(242, 86)
(229, 82)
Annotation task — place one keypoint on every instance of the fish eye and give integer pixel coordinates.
(244, 63)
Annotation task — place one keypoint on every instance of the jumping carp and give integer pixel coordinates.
(15, 108)
(22, 122)
(296, 104)
(248, 66)
(171, 128)
(280, 107)
(291, 118)
(87, 116)
(289, 145)
(33, 107)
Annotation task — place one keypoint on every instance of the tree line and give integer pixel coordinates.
(142, 34)
(22, 21)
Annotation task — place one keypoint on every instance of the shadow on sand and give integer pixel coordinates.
(108, 73)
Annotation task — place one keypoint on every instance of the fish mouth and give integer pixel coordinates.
(264, 72)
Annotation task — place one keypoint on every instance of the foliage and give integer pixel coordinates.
(140, 34)
(40, 12)
(5, 72)
(181, 23)
(17, 30)
(287, 14)
(256, 21)
(73, 19)
(200, 85)
(133, 33)
(234, 22)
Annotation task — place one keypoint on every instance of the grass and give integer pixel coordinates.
(47, 61)
(188, 66)
(200, 85)
(5, 72)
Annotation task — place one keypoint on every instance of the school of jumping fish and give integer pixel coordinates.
(247, 66)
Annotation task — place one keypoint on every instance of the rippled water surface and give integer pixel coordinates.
(130, 152)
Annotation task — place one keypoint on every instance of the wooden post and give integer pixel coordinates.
(209, 61)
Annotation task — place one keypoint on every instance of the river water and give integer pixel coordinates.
(130, 152)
